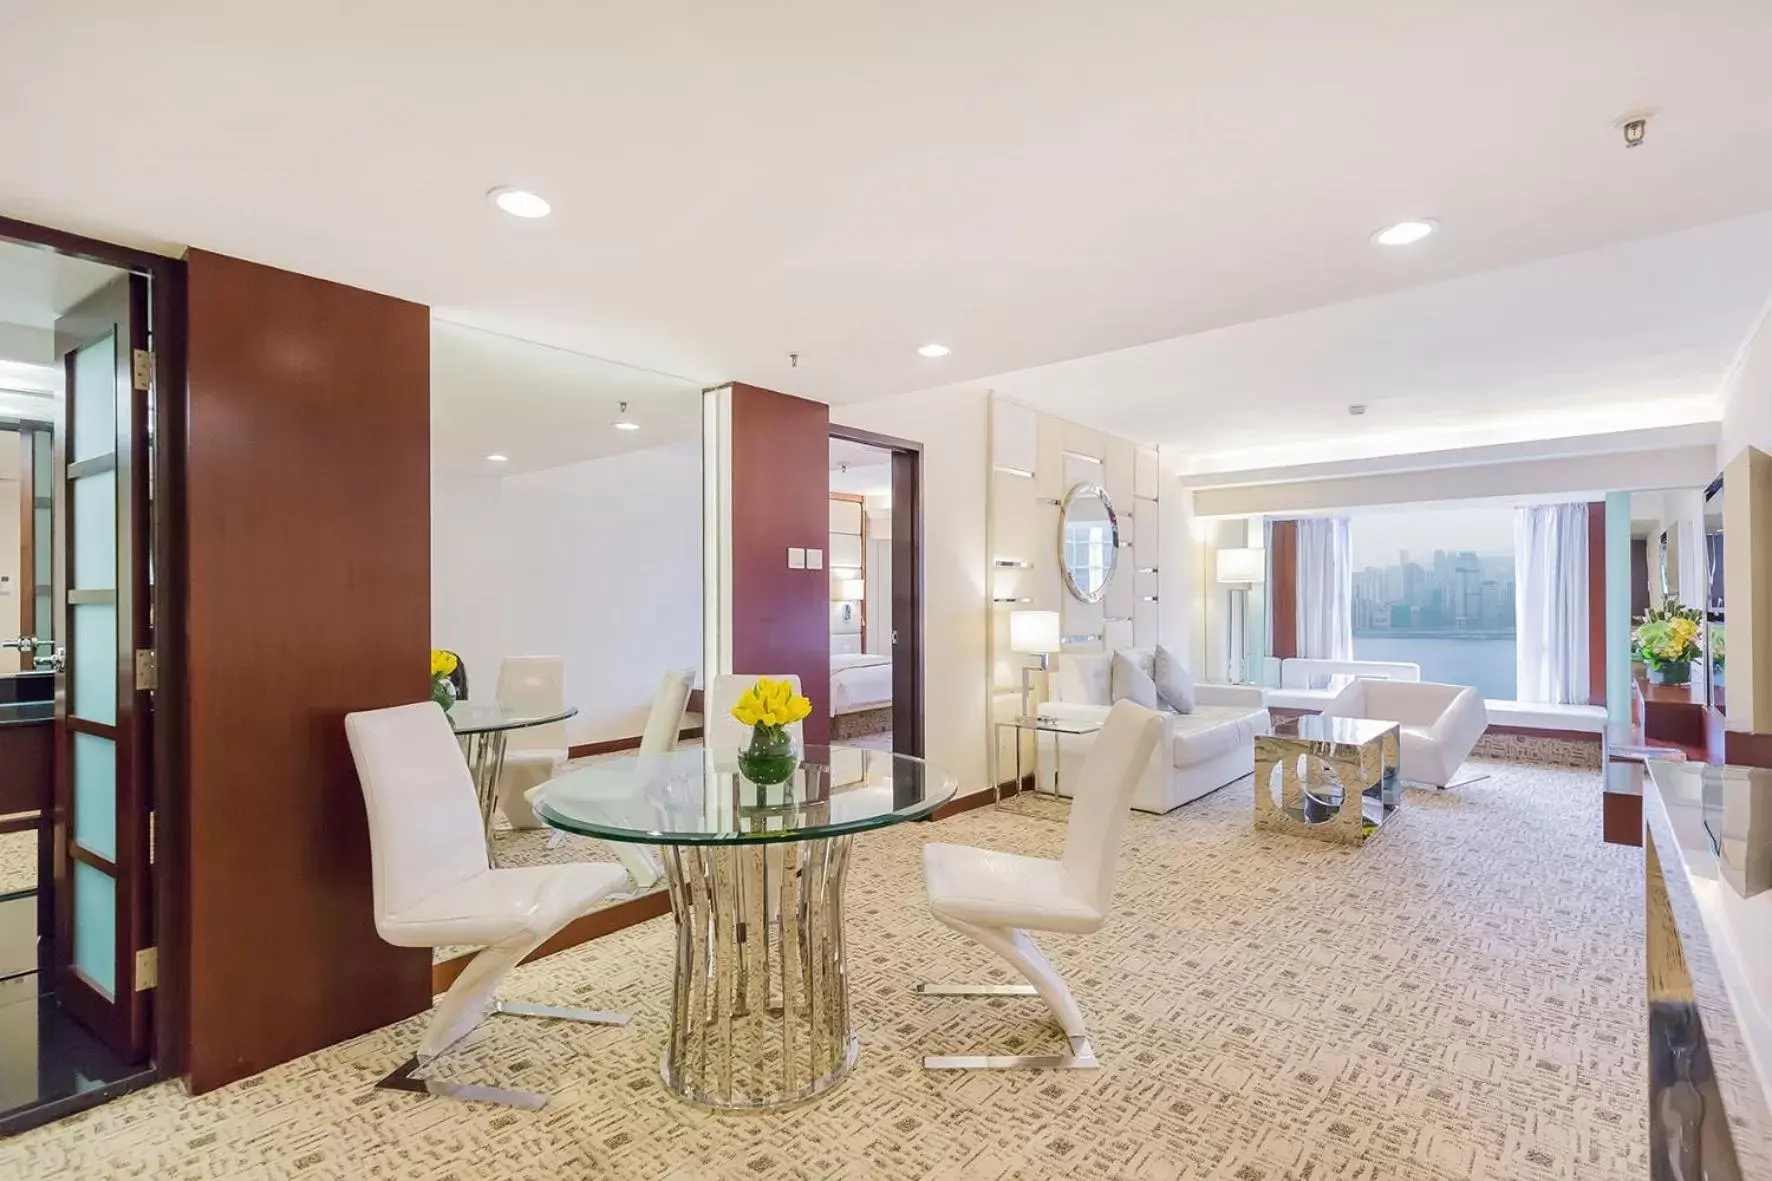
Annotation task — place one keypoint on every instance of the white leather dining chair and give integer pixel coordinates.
(434, 887)
(534, 754)
(664, 724)
(997, 898)
(726, 735)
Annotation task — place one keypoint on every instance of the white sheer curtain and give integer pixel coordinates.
(1550, 602)
(1325, 589)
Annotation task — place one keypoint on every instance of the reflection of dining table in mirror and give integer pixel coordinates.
(483, 728)
(760, 1012)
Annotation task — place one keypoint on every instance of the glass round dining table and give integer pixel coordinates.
(482, 728)
(760, 1002)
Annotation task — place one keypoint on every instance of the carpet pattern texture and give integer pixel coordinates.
(1461, 998)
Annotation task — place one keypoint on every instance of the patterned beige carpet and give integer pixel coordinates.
(1460, 999)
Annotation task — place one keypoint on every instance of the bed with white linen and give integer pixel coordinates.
(860, 681)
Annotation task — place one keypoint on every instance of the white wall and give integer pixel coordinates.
(953, 428)
(467, 574)
(599, 562)
(1747, 398)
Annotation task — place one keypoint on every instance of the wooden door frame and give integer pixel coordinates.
(907, 587)
(168, 786)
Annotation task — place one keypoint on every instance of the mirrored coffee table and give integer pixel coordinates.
(1334, 779)
(760, 1002)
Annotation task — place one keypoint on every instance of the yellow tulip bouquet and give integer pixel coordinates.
(769, 707)
(443, 666)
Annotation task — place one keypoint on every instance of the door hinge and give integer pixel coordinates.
(147, 968)
(147, 670)
(142, 364)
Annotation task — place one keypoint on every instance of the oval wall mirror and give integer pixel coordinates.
(1088, 541)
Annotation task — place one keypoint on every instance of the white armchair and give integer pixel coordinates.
(1439, 724)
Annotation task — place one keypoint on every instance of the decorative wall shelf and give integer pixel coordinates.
(1012, 564)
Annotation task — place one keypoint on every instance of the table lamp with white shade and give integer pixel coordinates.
(1033, 633)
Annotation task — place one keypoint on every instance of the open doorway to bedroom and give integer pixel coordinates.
(875, 566)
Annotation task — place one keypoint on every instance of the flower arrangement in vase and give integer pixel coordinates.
(769, 707)
(1668, 641)
(443, 666)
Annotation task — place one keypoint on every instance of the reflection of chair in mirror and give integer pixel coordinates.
(726, 735)
(996, 898)
(664, 723)
(434, 886)
(535, 754)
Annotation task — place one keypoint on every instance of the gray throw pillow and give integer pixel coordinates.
(1175, 685)
(1132, 683)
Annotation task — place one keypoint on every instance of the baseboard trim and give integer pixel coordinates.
(1593, 736)
(611, 746)
(982, 799)
(583, 929)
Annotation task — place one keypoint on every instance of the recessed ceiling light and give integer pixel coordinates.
(933, 350)
(520, 202)
(1405, 232)
(624, 423)
(496, 458)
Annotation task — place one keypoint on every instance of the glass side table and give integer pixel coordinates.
(1337, 778)
(1057, 727)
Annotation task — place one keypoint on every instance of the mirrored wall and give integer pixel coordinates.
(566, 558)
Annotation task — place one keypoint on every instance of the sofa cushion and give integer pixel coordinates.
(1211, 730)
(1132, 683)
(1175, 685)
(1085, 678)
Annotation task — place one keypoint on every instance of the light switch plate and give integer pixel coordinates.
(796, 558)
(815, 559)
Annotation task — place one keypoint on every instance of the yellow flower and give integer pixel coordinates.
(771, 703)
(444, 664)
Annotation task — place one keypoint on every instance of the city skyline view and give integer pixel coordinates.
(1436, 589)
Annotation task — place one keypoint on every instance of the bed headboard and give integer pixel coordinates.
(845, 643)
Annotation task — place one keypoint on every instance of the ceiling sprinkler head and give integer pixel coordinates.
(1356, 409)
(1634, 126)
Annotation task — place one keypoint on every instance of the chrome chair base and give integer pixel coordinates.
(405, 1077)
(928, 989)
(1081, 1057)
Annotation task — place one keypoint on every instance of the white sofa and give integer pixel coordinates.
(1440, 724)
(1305, 684)
(1200, 752)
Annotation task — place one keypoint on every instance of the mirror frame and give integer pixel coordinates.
(1064, 512)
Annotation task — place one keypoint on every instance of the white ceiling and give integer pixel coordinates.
(1023, 180)
(541, 406)
(37, 285)
(1634, 336)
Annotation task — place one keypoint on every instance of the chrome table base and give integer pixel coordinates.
(405, 1077)
(760, 1006)
(484, 751)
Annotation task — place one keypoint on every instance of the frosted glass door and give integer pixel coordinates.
(101, 878)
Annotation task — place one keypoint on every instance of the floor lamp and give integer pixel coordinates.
(1033, 633)
(1239, 569)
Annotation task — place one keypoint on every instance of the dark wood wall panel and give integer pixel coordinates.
(1283, 587)
(308, 508)
(1596, 602)
(781, 618)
